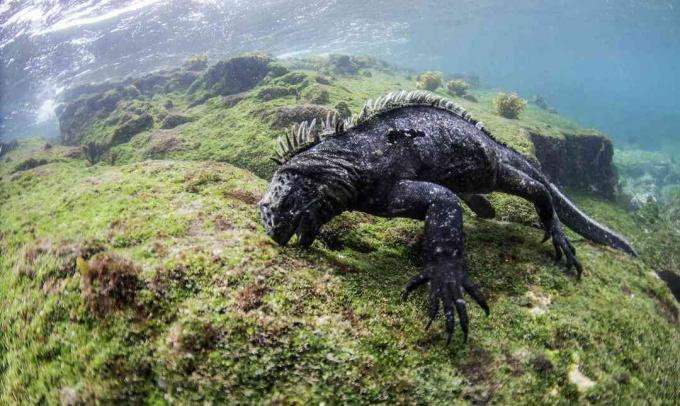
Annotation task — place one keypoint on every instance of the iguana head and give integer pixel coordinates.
(291, 206)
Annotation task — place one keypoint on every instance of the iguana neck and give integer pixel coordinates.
(336, 174)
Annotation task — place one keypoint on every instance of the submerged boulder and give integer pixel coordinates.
(578, 161)
(285, 116)
(646, 175)
(232, 76)
(173, 120)
(131, 127)
(316, 95)
(29, 163)
(276, 92)
(77, 117)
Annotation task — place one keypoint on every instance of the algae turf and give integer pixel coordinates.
(144, 276)
(221, 314)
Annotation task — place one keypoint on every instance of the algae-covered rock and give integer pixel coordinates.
(130, 127)
(188, 296)
(276, 92)
(196, 63)
(583, 162)
(457, 87)
(316, 95)
(77, 117)
(285, 116)
(162, 142)
(173, 120)
(343, 64)
(30, 163)
(230, 76)
(646, 175)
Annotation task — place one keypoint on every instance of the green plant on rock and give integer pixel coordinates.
(457, 87)
(509, 105)
(430, 81)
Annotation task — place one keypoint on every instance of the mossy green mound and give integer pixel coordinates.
(219, 313)
(241, 128)
(147, 278)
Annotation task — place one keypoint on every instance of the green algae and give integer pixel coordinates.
(223, 315)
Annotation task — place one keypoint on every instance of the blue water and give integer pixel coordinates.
(613, 65)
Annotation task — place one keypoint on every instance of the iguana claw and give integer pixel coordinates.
(446, 286)
(562, 246)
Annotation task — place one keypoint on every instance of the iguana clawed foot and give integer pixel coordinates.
(562, 245)
(447, 283)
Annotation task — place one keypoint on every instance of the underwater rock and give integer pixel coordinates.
(343, 65)
(164, 80)
(173, 120)
(276, 92)
(233, 99)
(286, 116)
(180, 81)
(77, 117)
(579, 161)
(29, 163)
(322, 80)
(72, 153)
(292, 78)
(131, 127)
(197, 63)
(164, 141)
(646, 175)
(231, 76)
(457, 87)
(470, 97)
(316, 95)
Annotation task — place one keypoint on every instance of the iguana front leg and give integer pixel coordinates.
(518, 183)
(445, 268)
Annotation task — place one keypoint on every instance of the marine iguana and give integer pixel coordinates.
(417, 155)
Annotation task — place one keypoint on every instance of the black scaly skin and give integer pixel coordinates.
(420, 162)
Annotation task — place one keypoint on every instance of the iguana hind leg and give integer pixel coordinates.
(444, 261)
(518, 183)
(480, 205)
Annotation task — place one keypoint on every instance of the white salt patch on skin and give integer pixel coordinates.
(582, 382)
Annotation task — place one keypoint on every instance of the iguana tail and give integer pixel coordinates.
(578, 221)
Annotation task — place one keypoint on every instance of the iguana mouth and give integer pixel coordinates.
(306, 229)
(286, 235)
